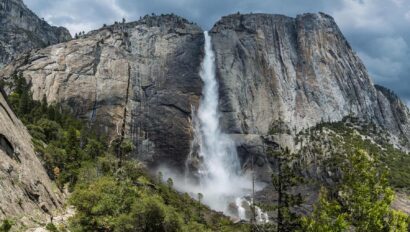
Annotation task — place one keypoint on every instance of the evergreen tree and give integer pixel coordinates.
(44, 106)
(24, 105)
(361, 201)
(327, 216)
(20, 84)
(284, 179)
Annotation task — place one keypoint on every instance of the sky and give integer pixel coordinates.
(378, 30)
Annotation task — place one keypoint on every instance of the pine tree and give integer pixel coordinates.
(284, 179)
(72, 145)
(20, 84)
(361, 201)
(44, 106)
(327, 216)
(24, 104)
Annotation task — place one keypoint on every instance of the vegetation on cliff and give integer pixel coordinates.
(361, 200)
(108, 194)
(360, 170)
(112, 194)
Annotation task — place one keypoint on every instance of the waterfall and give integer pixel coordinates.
(218, 171)
(241, 209)
(221, 180)
(220, 176)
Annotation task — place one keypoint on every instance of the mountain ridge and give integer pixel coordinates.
(278, 76)
(285, 83)
(21, 31)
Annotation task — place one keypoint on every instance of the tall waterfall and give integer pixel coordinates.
(220, 173)
(220, 178)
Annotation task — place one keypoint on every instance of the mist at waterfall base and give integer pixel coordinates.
(219, 177)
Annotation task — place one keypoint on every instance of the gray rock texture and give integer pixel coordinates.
(296, 71)
(21, 31)
(27, 194)
(139, 79)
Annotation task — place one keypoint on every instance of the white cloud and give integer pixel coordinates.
(79, 15)
(364, 14)
(382, 69)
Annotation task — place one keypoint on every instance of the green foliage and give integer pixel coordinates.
(51, 227)
(347, 136)
(153, 215)
(109, 191)
(102, 204)
(284, 179)
(366, 191)
(279, 127)
(126, 146)
(6, 226)
(49, 128)
(398, 221)
(361, 200)
(327, 216)
(59, 138)
(127, 199)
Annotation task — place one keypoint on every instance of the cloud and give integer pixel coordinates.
(78, 15)
(363, 15)
(376, 29)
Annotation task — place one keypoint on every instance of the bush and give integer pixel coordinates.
(6, 226)
(51, 227)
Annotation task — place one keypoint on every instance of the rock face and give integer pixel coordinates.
(299, 71)
(21, 31)
(139, 78)
(26, 191)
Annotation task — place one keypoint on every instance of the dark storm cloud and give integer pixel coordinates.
(378, 30)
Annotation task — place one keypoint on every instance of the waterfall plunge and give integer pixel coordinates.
(220, 178)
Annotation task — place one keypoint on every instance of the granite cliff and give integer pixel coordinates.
(27, 193)
(283, 74)
(277, 76)
(141, 80)
(21, 31)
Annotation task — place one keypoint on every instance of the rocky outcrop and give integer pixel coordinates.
(21, 31)
(140, 78)
(27, 194)
(299, 71)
